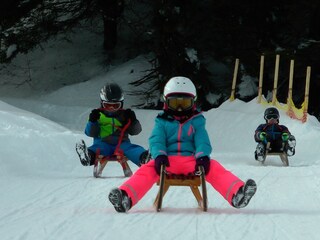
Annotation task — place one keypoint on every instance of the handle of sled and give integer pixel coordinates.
(161, 190)
(200, 171)
(163, 168)
(203, 188)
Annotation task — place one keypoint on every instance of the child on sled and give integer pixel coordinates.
(180, 141)
(105, 126)
(278, 135)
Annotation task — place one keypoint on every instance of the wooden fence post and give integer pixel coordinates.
(290, 104)
(260, 78)
(306, 95)
(290, 82)
(234, 80)
(275, 81)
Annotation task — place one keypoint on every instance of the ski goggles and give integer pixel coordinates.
(111, 106)
(272, 116)
(180, 103)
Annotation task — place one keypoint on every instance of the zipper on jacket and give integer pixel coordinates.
(179, 138)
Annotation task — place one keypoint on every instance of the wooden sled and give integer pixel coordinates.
(192, 181)
(101, 161)
(283, 155)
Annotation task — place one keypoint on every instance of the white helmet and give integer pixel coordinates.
(180, 85)
(179, 95)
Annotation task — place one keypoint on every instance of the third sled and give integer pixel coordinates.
(281, 153)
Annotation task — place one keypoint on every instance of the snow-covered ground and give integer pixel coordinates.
(47, 194)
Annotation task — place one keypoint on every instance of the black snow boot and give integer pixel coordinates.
(244, 194)
(82, 152)
(120, 200)
(144, 157)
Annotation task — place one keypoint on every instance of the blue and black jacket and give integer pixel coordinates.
(109, 126)
(274, 132)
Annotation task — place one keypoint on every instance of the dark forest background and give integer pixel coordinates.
(215, 31)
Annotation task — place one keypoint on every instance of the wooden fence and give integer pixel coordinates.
(289, 107)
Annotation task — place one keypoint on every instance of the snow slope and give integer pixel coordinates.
(47, 194)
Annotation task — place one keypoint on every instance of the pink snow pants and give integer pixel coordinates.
(222, 180)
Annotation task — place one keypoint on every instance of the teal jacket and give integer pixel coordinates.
(171, 137)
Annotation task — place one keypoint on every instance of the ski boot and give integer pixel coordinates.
(82, 152)
(145, 157)
(260, 152)
(291, 146)
(244, 194)
(120, 200)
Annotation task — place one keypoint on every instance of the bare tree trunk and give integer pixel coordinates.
(111, 11)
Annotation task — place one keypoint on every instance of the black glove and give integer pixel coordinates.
(205, 162)
(129, 114)
(161, 159)
(94, 115)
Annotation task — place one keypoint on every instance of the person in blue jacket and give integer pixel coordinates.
(179, 140)
(279, 136)
(109, 126)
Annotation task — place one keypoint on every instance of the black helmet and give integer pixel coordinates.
(270, 113)
(111, 92)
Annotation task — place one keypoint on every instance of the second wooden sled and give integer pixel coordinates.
(101, 161)
(282, 154)
(193, 181)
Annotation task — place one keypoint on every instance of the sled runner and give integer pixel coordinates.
(194, 181)
(118, 156)
(281, 153)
